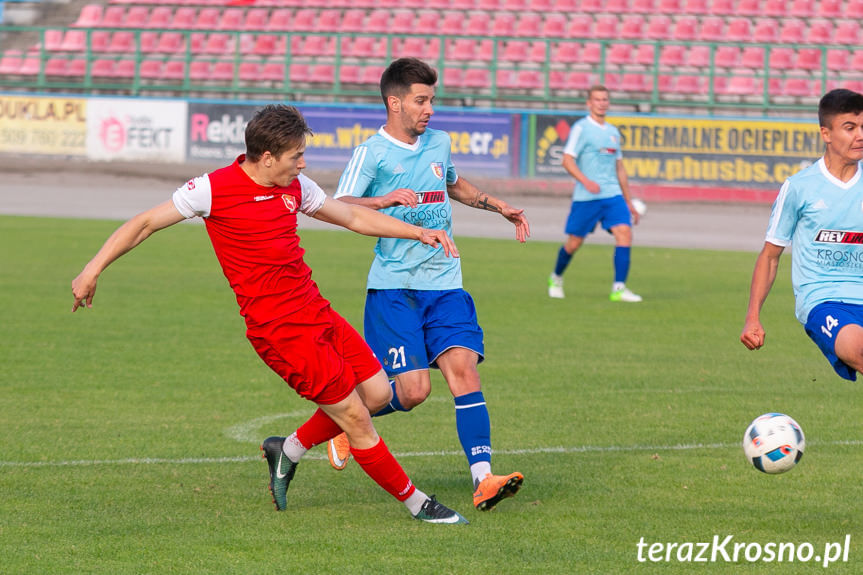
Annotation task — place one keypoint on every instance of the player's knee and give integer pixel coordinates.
(413, 396)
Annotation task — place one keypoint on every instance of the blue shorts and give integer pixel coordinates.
(823, 324)
(583, 216)
(409, 329)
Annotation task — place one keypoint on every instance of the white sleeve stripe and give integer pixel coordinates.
(777, 215)
(352, 173)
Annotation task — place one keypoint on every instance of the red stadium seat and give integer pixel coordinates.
(749, 8)
(753, 57)
(792, 31)
(489, 5)
(673, 7)
(776, 8)
(580, 26)
(74, 41)
(530, 80)
(171, 43)
(689, 85)
(591, 53)
(232, 19)
(857, 60)
(477, 78)
(304, 21)
(782, 59)
(160, 17)
(829, 8)
(712, 29)
(200, 71)
(273, 71)
(739, 30)
(29, 65)
(727, 56)
(453, 23)
(502, 25)
(685, 29)
(223, 71)
(837, 59)
(298, 73)
(698, 57)
(100, 40)
(619, 54)
(802, 8)
(854, 8)
(151, 69)
(606, 27)
(113, 17)
(848, 32)
(515, 5)
(672, 56)
(566, 53)
(174, 70)
(723, 7)
(219, 44)
(184, 18)
(643, 6)
(256, 19)
(617, 6)
(461, 49)
(798, 87)
(554, 26)
(645, 55)
(539, 52)
(807, 59)
(697, 7)
(529, 25)
(103, 68)
(506, 79)
(90, 17)
(137, 17)
(820, 32)
(122, 42)
(632, 27)
(403, 21)
(10, 62)
(250, 71)
(766, 31)
(56, 67)
(591, 6)
(53, 40)
(124, 69)
(378, 21)
(659, 27)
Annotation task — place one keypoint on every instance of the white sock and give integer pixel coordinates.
(293, 448)
(618, 286)
(415, 502)
(479, 470)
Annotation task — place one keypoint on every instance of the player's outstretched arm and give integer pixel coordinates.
(763, 277)
(126, 237)
(466, 193)
(399, 197)
(369, 222)
(573, 170)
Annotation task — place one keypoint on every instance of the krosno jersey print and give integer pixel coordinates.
(383, 164)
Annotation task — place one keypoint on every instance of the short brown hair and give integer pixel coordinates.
(275, 128)
(596, 88)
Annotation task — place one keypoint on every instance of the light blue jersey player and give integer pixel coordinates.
(417, 315)
(819, 211)
(601, 196)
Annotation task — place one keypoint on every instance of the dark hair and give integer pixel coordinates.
(275, 128)
(840, 101)
(401, 74)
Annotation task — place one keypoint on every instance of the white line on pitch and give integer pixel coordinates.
(531, 451)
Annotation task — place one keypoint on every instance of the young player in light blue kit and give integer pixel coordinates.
(820, 211)
(592, 156)
(417, 315)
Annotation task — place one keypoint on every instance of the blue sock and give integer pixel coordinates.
(474, 427)
(393, 405)
(621, 263)
(562, 261)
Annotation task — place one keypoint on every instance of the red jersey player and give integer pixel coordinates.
(250, 209)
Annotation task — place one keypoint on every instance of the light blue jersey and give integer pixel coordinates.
(383, 164)
(823, 218)
(596, 149)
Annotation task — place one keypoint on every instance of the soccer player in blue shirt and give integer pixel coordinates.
(592, 156)
(417, 315)
(819, 211)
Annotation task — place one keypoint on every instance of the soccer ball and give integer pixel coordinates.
(773, 443)
(639, 206)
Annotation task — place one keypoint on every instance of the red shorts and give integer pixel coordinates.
(321, 356)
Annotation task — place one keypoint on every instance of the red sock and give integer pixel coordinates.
(381, 466)
(318, 429)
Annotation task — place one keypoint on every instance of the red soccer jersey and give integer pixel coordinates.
(253, 232)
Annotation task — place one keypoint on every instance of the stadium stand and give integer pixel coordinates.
(683, 52)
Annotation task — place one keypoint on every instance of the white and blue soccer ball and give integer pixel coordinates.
(774, 443)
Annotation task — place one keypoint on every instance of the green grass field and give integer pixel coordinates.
(130, 431)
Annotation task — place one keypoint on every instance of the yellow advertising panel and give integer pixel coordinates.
(43, 125)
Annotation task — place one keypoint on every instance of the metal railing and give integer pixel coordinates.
(523, 72)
